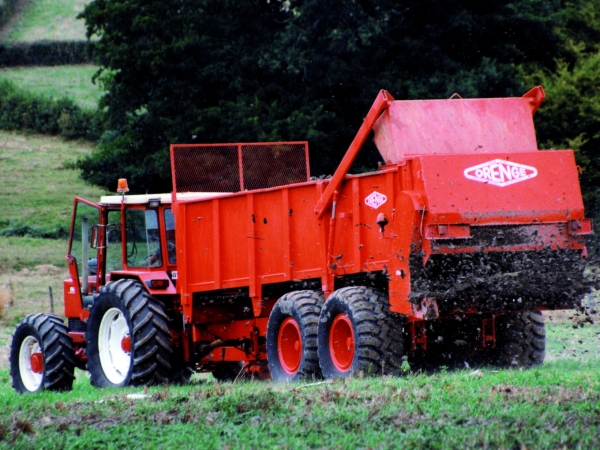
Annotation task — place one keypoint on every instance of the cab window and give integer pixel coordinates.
(143, 238)
(170, 227)
(114, 252)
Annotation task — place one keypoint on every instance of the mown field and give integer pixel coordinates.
(74, 82)
(52, 20)
(554, 407)
(37, 197)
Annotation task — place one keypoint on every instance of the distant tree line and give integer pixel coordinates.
(267, 70)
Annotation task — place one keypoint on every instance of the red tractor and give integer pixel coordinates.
(448, 252)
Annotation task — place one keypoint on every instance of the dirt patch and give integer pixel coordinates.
(572, 316)
(6, 298)
(45, 269)
(552, 395)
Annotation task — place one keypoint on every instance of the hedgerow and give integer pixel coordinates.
(26, 112)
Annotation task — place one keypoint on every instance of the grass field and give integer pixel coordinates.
(37, 190)
(53, 20)
(74, 82)
(552, 407)
(37, 195)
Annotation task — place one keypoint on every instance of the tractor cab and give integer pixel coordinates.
(120, 237)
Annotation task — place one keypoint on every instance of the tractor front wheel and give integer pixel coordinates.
(358, 334)
(42, 355)
(292, 336)
(128, 338)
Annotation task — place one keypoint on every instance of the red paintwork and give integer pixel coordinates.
(455, 126)
(341, 342)
(147, 275)
(126, 344)
(452, 167)
(289, 344)
(269, 236)
(37, 363)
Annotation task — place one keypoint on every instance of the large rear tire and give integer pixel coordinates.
(521, 339)
(292, 336)
(357, 334)
(128, 339)
(42, 355)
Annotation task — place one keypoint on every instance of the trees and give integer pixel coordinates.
(570, 115)
(570, 118)
(254, 70)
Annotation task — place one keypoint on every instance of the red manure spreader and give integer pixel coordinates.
(447, 253)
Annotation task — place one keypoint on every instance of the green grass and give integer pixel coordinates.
(20, 253)
(551, 407)
(568, 343)
(37, 197)
(37, 190)
(54, 20)
(74, 82)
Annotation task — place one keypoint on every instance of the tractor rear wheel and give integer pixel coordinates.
(292, 336)
(358, 334)
(521, 339)
(42, 355)
(128, 339)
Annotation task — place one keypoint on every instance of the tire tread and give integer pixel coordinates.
(57, 348)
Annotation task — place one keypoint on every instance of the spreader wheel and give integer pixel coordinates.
(226, 371)
(42, 355)
(181, 371)
(521, 339)
(357, 333)
(292, 336)
(128, 338)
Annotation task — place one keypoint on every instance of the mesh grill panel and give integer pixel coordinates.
(216, 167)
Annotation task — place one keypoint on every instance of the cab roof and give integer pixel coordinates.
(164, 198)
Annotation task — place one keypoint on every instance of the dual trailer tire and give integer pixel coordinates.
(521, 340)
(42, 355)
(352, 333)
(357, 334)
(128, 338)
(292, 336)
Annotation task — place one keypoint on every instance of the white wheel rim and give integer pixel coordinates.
(31, 380)
(114, 360)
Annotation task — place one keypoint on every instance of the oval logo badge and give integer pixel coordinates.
(500, 172)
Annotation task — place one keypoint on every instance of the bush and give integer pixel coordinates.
(22, 230)
(23, 111)
(46, 53)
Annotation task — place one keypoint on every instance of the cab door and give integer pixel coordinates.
(85, 264)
